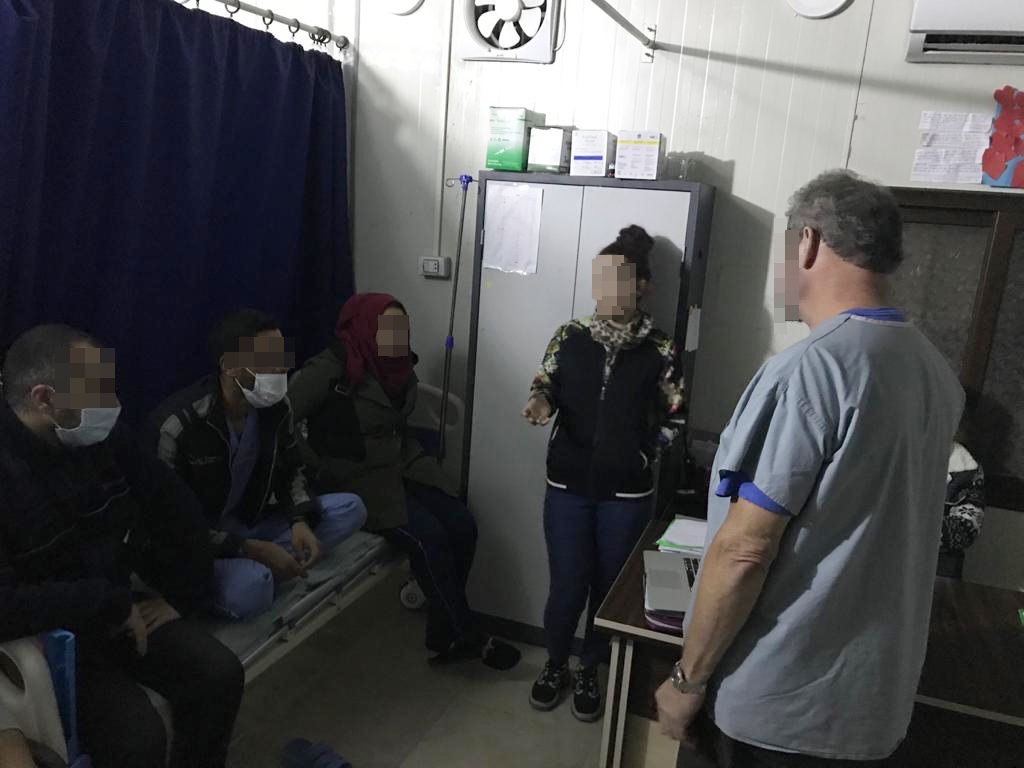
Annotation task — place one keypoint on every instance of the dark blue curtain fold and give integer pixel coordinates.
(158, 168)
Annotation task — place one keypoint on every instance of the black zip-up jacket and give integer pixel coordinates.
(75, 523)
(191, 437)
(607, 433)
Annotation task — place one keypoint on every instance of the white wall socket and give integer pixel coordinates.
(436, 267)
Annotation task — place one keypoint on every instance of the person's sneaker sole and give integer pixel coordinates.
(585, 717)
(541, 706)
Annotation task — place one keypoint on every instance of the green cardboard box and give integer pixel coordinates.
(508, 145)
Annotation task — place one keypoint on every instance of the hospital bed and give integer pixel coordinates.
(37, 674)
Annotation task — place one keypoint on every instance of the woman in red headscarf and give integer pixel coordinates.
(355, 398)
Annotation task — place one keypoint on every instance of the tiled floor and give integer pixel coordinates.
(362, 685)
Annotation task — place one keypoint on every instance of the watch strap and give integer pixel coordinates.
(681, 684)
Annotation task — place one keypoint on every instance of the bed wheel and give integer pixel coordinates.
(412, 596)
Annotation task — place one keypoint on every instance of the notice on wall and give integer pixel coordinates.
(512, 228)
(692, 331)
(951, 147)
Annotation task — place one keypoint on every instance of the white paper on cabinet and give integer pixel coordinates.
(512, 228)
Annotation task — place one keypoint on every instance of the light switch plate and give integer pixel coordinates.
(438, 267)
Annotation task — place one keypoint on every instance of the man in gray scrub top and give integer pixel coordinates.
(808, 630)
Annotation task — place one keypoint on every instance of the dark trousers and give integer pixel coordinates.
(588, 543)
(200, 678)
(440, 540)
(716, 750)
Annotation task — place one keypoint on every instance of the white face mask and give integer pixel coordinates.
(267, 390)
(95, 427)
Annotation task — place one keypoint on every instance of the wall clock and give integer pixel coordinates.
(818, 9)
(405, 7)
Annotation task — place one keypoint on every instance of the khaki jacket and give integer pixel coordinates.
(392, 454)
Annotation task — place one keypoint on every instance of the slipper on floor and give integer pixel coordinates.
(459, 651)
(302, 753)
(495, 653)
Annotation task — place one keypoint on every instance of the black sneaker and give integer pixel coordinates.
(550, 687)
(586, 695)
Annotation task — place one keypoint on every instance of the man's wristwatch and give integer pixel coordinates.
(680, 683)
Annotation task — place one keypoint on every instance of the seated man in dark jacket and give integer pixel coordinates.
(81, 510)
(230, 437)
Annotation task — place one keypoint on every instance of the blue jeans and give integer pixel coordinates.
(588, 543)
(243, 588)
(440, 540)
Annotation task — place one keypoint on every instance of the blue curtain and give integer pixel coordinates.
(160, 167)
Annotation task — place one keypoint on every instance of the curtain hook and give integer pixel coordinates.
(341, 42)
(293, 27)
(238, 7)
(268, 19)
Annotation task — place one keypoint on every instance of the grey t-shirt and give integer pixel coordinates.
(848, 432)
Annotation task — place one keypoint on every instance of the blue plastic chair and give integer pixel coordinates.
(59, 649)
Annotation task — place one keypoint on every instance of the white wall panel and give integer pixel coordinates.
(895, 92)
(763, 99)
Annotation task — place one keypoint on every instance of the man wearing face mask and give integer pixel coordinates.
(81, 510)
(231, 437)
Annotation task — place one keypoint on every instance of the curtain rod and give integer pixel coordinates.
(316, 34)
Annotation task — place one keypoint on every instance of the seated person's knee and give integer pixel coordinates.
(242, 587)
(343, 515)
(143, 741)
(222, 674)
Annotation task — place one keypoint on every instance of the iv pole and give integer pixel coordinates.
(449, 343)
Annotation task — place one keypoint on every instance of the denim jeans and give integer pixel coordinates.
(588, 543)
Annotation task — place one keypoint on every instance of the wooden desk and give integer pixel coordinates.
(622, 615)
(973, 666)
(975, 661)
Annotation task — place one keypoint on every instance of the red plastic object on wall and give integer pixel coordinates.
(1003, 162)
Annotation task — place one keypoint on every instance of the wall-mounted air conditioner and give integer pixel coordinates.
(967, 32)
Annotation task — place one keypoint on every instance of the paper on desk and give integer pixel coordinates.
(512, 228)
(685, 534)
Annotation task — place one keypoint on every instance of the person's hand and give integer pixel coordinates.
(135, 627)
(156, 613)
(305, 544)
(676, 713)
(537, 410)
(674, 395)
(280, 562)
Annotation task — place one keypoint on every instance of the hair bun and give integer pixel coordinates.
(636, 235)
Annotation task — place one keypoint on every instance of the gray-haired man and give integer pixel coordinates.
(810, 621)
